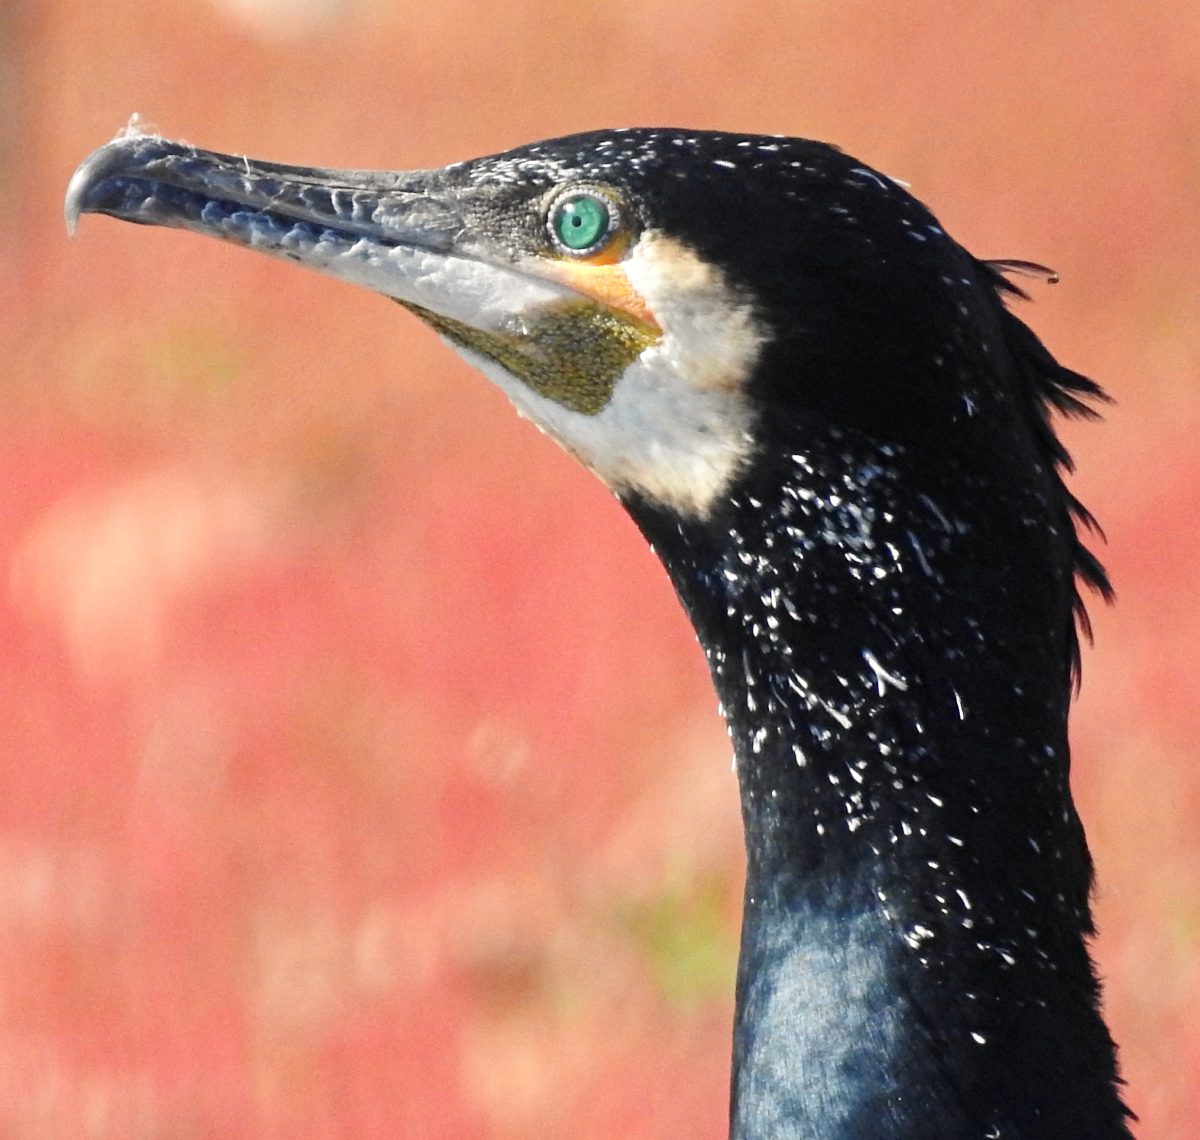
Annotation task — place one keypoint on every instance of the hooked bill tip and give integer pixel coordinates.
(97, 165)
(76, 189)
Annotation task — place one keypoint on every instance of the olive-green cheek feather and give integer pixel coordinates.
(572, 353)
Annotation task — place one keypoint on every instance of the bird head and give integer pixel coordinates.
(664, 303)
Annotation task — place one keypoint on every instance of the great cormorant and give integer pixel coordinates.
(820, 412)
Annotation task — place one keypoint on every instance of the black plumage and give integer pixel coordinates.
(859, 499)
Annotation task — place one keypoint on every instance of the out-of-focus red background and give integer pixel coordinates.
(359, 776)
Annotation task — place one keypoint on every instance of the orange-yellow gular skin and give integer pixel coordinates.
(602, 277)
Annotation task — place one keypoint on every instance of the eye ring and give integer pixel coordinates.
(582, 220)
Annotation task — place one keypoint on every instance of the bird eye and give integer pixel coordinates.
(582, 221)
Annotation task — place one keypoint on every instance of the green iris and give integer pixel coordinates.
(581, 221)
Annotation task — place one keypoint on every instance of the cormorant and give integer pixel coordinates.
(819, 410)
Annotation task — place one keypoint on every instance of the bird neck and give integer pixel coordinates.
(896, 685)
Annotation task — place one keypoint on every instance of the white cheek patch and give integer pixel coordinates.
(711, 332)
(679, 426)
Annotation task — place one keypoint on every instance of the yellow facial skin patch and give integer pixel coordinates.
(601, 277)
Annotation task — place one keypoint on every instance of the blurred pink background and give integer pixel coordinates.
(359, 776)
